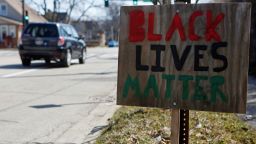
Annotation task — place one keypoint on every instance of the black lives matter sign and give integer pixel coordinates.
(184, 56)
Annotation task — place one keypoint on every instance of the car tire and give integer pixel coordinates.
(83, 56)
(47, 61)
(26, 61)
(67, 59)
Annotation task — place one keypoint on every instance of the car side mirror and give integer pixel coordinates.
(81, 37)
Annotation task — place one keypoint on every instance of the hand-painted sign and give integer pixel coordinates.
(185, 56)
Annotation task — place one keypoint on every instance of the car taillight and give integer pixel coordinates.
(61, 41)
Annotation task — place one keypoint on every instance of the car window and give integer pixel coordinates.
(41, 31)
(68, 30)
(74, 32)
(63, 32)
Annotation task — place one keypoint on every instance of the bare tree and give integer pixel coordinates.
(72, 5)
(84, 10)
(112, 23)
(41, 6)
(80, 7)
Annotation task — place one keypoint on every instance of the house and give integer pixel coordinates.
(11, 21)
(60, 17)
(92, 31)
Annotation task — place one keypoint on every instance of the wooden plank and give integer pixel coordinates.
(175, 126)
(214, 74)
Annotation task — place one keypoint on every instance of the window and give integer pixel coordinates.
(12, 31)
(68, 30)
(63, 32)
(35, 30)
(3, 9)
(74, 32)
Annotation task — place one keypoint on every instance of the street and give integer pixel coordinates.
(51, 104)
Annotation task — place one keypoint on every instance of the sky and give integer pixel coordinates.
(94, 13)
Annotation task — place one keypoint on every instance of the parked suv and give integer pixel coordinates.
(51, 41)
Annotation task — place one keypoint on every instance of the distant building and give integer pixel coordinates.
(92, 31)
(60, 17)
(11, 21)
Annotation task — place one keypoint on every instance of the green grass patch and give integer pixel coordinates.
(148, 125)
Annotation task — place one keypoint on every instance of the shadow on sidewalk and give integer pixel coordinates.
(47, 106)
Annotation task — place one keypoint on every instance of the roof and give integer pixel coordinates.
(50, 23)
(33, 15)
(57, 16)
(6, 20)
(54, 23)
(62, 16)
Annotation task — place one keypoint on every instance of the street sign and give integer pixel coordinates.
(192, 56)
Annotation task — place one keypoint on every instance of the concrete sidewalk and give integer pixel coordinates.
(8, 49)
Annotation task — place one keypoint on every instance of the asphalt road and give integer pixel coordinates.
(52, 104)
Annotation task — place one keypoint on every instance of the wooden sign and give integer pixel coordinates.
(185, 56)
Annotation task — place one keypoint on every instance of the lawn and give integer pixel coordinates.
(131, 125)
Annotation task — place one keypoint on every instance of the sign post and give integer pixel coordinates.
(184, 56)
(182, 115)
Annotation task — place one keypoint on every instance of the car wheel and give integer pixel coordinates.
(83, 57)
(47, 61)
(67, 59)
(26, 61)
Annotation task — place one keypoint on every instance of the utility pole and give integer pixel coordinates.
(54, 10)
(112, 33)
(23, 13)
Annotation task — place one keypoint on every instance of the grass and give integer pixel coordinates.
(131, 125)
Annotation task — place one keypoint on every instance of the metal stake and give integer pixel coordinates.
(184, 127)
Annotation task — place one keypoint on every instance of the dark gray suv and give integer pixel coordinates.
(51, 41)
